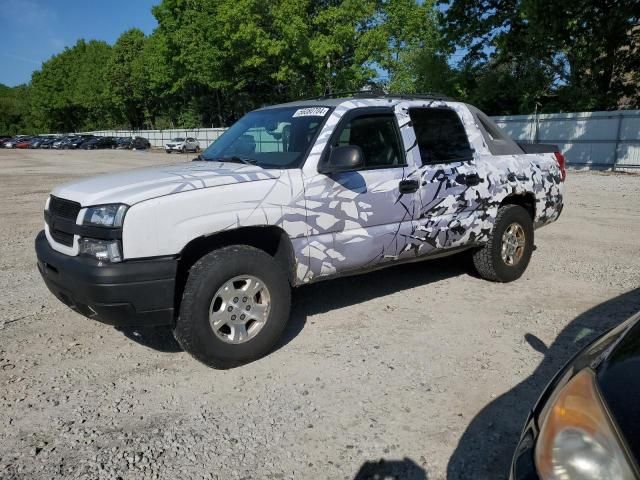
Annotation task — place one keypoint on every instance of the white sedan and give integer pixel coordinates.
(182, 145)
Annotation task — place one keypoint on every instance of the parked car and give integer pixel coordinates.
(48, 142)
(140, 143)
(99, 142)
(289, 195)
(79, 141)
(182, 145)
(64, 142)
(124, 142)
(13, 141)
(36, 142)
(136, 143)
(586, 424)
(24, 142)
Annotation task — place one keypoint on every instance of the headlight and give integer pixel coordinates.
(102, 250)
(577, 440)
(105, 215)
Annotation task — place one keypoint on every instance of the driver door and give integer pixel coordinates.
(360, 219)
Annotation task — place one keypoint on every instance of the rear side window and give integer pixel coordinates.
(378, 138)
(440, 135)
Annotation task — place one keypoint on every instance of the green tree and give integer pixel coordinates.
(569, 55)
(14, 110)
(234, 55)
(127, 77)
(407, 41)
(69, 93)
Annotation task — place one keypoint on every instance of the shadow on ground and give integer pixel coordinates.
(326, 296)
(342, 292)
(487, 445)
(405, 469)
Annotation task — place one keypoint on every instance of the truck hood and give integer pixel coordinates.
(134, 186)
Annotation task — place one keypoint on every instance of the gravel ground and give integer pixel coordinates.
(419, 371)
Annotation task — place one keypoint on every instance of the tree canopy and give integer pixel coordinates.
(210, 61)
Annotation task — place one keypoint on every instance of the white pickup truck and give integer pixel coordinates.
(293, 194)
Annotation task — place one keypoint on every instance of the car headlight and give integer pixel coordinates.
(577, 440)
(102, 250)
(105, 215)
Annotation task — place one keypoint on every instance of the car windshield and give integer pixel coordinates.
(274, 137)
(178, 140)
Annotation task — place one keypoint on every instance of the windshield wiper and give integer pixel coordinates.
(234, 159)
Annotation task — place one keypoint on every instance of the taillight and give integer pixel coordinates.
(561, 165)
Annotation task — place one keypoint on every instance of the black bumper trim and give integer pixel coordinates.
(131, 293)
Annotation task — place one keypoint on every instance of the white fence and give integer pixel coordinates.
(158, 138)
(600, 140)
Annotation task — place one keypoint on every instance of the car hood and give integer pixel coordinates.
(135, 186)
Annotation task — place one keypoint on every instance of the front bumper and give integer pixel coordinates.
(131, 293)
(174, 148)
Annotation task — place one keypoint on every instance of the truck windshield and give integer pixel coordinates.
(270, 138)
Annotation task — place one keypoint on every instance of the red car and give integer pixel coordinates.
(26, 143)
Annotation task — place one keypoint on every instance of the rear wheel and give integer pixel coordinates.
(183, 149)
(234, 307)
(506, 255)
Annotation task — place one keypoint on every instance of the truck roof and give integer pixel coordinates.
(334, 101)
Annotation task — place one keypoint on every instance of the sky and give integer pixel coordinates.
(32, 31)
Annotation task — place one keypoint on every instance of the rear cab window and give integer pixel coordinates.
(440, 135)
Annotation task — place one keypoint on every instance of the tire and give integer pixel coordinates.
(198, 149)
(183, 150)
(168, 151)
(489, 261)
(207, 278)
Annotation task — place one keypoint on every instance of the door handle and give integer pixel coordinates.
(470, 180)
(409, 186)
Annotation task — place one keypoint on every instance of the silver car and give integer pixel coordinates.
(182, 145)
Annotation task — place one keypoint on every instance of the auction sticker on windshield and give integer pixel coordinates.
(311, 112)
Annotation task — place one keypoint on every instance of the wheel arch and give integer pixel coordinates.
(271, 239)
(526, 200)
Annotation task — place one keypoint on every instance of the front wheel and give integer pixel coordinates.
(235, 305)
(505, 256)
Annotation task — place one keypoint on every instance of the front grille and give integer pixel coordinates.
(59, 207)
(62, 237)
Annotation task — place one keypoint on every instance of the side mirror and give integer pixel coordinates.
(343, 159)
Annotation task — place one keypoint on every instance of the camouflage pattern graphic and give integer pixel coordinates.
(444, 213)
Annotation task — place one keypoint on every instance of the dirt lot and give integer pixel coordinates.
(424, 366)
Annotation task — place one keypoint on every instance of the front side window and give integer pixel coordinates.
(274, 137)
(440, 135)
(377, 136)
